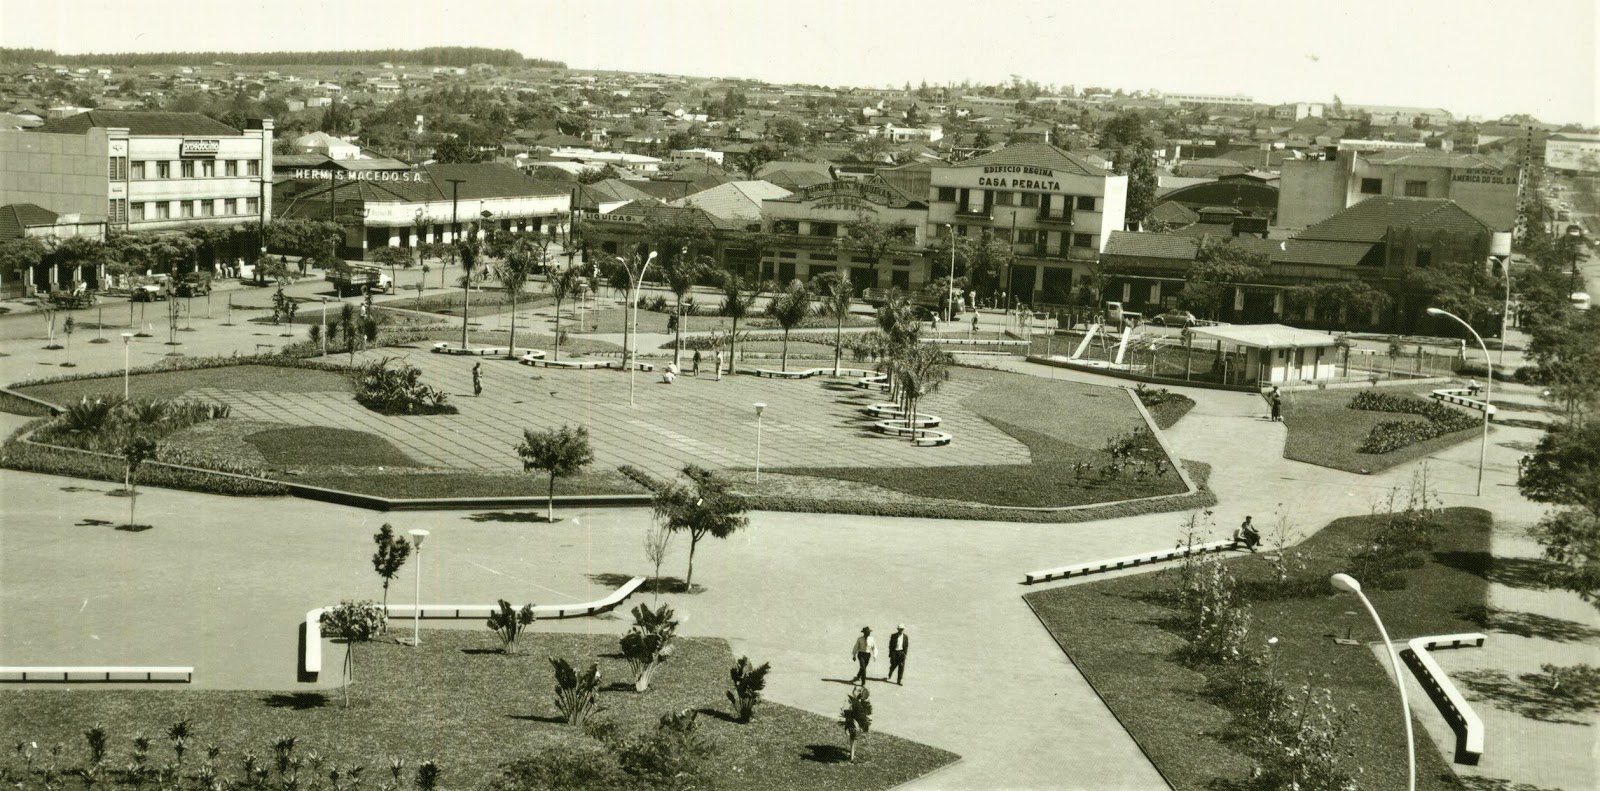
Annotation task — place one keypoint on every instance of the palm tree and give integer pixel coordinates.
(680, 272)
(738, 297)
(835, 289)
(564, 285)
(523, 256)
(789, 307)
(922, 369)
(897, 322)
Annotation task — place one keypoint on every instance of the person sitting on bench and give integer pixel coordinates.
(1246, 536)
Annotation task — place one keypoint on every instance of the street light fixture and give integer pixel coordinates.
(1345, 583)
(324, 335)
(760, 407)
(631, 343)
(1488, 390)
(416, 614)
(1500, 250)
(950, 288)
(127, 338)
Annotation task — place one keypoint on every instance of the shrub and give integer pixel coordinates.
(1303, 747)
(508, 624)
(1391, 435)
(106, 424)
(20, 454)
(648, 643)
(748, 681)
(1217, 627)
(856, 717)
(671, 756)
(392, 388)
(577, 695)
(567, 767)
(1403, 539)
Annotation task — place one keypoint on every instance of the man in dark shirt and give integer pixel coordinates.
(899, 644)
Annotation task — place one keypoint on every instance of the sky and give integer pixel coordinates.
(1473, 57)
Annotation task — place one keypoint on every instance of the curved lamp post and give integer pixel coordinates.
(631, 350)
(1488, 390)
(416, 614)
(1345, 583)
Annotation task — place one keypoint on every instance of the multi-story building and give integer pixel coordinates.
(1056, 208)
(1206, 100)
(142, 171)
(1570, 151)
(813, 229)
(1313, 190)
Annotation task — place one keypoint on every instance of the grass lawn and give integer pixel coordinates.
(173, 384)
(1031, 410)
(528, 337)
(479, 303)
(1325, 432)
(433, 482)
(1113, 631)
(320, 446)
(457, 702)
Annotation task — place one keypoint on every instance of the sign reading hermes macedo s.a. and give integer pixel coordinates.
(1019, 177)
(357, 175)
(200, 148)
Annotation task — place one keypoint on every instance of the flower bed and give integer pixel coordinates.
(1392, 435)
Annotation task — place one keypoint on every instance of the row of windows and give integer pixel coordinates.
(119, 168)
(1411, 188)
(163, 210)
(1025, 236)
(1023, 199)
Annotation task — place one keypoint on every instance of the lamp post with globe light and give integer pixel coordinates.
(760, 407)
(1488, 390)
(127, 338)
(1345, 583)
(416, 614)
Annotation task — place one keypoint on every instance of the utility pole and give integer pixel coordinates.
(455, 224)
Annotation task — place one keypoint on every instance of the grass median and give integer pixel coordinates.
(1323, 430)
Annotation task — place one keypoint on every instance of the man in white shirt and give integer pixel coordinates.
(866, 650)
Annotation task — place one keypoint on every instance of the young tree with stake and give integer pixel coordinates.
(134, 454)
(702, 506)
(353, 622)
(556, 452)
(393, 551)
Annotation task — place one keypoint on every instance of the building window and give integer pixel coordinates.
(786, 226)
(118, 210)
(230, 206)
(252, 167)
(230, 167)
(208, 169)
(787, 254)
(947, 194)
(136, 212)
(186, 169)
(163, 170)
(1026, 236)
(1002, 234)
(1002, 199)
(861, 259)
(1083, 240)
(902, 262)
(136, 170)
(118, 170)
(824, 229)
(252, 206)
(1372, 186)
(208, 208)
(961, 230)
(1424, 258)
(1030, 200)
(1086, 203)
(163, 210)
(1416, 189)
(187, 207)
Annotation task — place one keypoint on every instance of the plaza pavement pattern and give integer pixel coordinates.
(222, 582)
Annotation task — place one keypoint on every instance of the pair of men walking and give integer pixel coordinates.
(866, 650)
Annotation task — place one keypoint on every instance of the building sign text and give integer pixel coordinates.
(1013, 177)
(200, 148)
(358, 175)
(1483, 176)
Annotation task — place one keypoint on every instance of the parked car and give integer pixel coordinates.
(193, 285)
(148, 293)
(1175, 318)
(1118, 316)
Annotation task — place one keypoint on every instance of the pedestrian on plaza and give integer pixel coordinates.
(974, 322)
(1472, 388)
(696, 364)
(238, 266)
(719, 365)
(936, 324)
(865, 650)
(899, 644)
(1275, 399)
(477, 379)
(1247, 535)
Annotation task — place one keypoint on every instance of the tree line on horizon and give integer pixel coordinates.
(427, 56)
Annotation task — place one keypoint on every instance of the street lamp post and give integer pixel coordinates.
(1488, 390)
(1347, 584)
(950, 288)
(127, 338)
(324, 335)
(1500, 249)
(760, 407)
(416, 613)
(631, 343)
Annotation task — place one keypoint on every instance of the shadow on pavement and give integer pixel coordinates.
(510, 516)
(1526, 573)
(1528, 624)
(826, 753)
(656, 585)
(299, 701)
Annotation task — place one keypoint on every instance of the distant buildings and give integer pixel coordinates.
(1313, 190)
(1572, 152)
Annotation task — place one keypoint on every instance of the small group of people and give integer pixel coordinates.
(866, 650)
(1275, 400)
(673, 371)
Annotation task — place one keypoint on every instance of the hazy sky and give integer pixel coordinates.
(1478, 57)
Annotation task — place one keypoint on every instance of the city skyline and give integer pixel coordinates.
(1365, 52)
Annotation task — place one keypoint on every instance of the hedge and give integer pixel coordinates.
(1392, 435)
(19, 454)
(169, 364)
(1199, 472)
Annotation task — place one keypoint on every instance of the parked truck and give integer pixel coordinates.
(351, 280)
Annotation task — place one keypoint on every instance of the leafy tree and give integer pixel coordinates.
(788, 132)
(758, 155)
(555, 452)
(393, 552)
(1125, 130)
(704, 505)
(980, 259)
(1464, 288)
(597, 175)
(657, 540)
(648, 642)
(1344, 303)
(393, 257)
(564, 285)
(1142, 182)
(748, 681)
(856, 716)
(789, 308)
(834, 288)
(353, 622)
(135, 452)
(508, 623)
(982, 139)
(1217, 266)
(18, 257)
(738, 297)
(868, 237)
(454, 149)
(1565, 349)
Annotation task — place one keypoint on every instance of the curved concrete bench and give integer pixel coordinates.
(535, 358)
(446, 347)
(901, 427)
(881, 381)
(1442, 691)
(930, 438)
(311, 636)
(1080, 569)
(884, 410)
(172, 675)
(805, 373)
(1462, 397)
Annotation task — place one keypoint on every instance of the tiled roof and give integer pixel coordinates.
(479, 181)
(1041, 155)
(738, 200)
(1151, 245)
(1174, 214)
(140, 123)
(821, 168)
(1237, 193)
(1433, 159)
(794, 179)
(1370, 220)
(1181, 246)
(17, 217)
(639, 211)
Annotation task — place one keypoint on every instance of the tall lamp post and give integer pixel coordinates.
(1500, 251)
(949, 291)
(416, 613)
(1347, 584)
(127, 338)
(631, 343)
(1488, 390)
(760, 407)
(324, 335)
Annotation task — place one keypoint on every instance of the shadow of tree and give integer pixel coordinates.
(717, 714)
(299, 701)
(87, 522)
(1480, 783)
(1528, 624)
(510, 516)
(1532, 695)
(667, 584)
(134, 528)
(537, 718)
(826, 753)
(1526, 573)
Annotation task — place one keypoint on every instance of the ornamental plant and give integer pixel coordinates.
(508, 624)
(577, 695)
(748, 681)
(648, 644)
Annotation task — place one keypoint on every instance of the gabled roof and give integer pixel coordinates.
(794, 179)
(1434, 159)
(17, 217)
(1174, 214)
(1041, 155)
(737, 200)
(1180, 246)
(140, 123)
(478, 181)
(640, 211)
(1371, 219)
